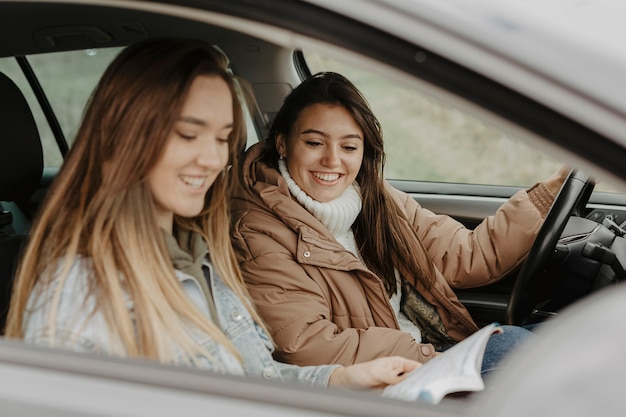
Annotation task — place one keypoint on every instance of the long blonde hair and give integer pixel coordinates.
(100, 207)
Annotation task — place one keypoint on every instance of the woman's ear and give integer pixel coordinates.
(280, 146)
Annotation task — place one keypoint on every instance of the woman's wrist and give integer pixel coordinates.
(554, 183)
(337, 377)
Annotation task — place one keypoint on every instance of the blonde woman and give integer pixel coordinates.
(131, 254)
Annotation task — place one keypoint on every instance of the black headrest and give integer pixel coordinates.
(21, 156)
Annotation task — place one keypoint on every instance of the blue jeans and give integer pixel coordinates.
(501, 344)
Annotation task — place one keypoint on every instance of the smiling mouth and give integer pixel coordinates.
(324, 176)
(194, 182)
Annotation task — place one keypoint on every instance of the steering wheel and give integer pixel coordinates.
(571, 200)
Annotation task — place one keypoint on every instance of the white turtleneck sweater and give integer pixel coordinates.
(338, 216)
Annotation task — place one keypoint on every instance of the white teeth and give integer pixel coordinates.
(195, 182)
(326, 177)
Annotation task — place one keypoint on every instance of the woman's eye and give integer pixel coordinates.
(313, 143)
(350, 148)
(186, 136)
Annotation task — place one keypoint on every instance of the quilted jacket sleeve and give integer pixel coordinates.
(470, 258)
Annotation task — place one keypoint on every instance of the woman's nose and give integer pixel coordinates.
(209, 155)
(331, 156)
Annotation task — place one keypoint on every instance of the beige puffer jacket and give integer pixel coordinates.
(323, 305)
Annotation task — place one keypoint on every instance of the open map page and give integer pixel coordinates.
(455, 370)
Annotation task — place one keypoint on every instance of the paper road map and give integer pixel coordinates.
(455, 370)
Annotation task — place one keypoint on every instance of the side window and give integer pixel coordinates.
(428, 141)
(52, 154)
(67, 79)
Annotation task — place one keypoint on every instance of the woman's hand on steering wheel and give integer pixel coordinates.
(573, 189)
(557, 179)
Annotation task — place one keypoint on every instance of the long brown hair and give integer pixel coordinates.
(381, 230)
(100, 207)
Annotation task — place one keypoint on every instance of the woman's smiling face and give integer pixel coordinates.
(196, 151)
(324, 151)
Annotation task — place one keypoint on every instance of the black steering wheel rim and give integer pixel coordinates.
(571, 200)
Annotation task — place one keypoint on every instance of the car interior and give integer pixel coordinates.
(583, 249)
(23, 180)
(21, 166)
(268, 71)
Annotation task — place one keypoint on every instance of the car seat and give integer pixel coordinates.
(21, 167)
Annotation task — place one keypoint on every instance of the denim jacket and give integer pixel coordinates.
(81, 328)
